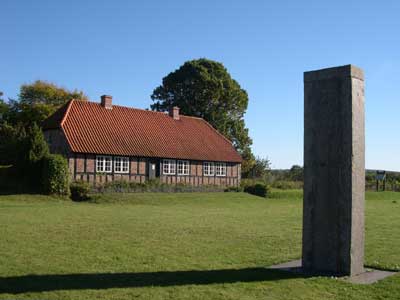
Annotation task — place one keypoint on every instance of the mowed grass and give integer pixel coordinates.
(177, 246)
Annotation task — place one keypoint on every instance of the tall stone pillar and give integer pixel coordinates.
(334, 171)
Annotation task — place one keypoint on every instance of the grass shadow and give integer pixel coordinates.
(46, 283)
(386, 269)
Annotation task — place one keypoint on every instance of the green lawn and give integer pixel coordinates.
(177, 246)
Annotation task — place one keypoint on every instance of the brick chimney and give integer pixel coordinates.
(174, 112)
(106, 101)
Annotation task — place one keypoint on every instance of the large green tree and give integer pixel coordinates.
(45, 92)
(20, 136)
(20, 146)
(296, 173)
(260, 169)
(37, 101)
(12, 145)
(204, 88)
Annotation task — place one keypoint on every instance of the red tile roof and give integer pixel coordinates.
(91, 128)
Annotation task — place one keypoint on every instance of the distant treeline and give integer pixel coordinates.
(293, 178)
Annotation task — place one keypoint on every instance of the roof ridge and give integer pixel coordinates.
(193, 117)
(145, 110)
(123, 106)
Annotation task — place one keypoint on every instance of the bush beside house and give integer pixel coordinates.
(80, 191)
(55, 175)
(255, 187)
(258, 189)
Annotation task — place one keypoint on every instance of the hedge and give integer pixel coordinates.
(258, 189)
(55, 175)
(154, 185)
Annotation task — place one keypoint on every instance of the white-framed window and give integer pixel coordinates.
(169, 167)
(183, 167)
(208, 168)
(103, 164)
(121, 164)
(220, 169)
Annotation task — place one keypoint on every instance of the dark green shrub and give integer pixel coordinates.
(13, 145)
(55, 175)
(36, 144)
(258, 189)
(251, 181)
(80, 191)
(236, 189)
(23, 149)
(287, 184)
(10, 182)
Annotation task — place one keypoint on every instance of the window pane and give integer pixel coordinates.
(107, 164)
(169, 166)
(100, 164)
(208, 168)
(121, 164)
(220, 169)
(165, 167)
(183, 167)
(125, 165)
(103, 163)
(117, 164)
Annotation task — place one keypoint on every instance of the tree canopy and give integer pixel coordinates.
(296, 173)
(47, 93)
(204, 88)
(37, 101)
(21, 138)
(261, 168)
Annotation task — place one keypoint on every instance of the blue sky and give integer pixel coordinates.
(125, 48)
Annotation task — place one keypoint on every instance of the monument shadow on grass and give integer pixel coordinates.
(55, 282)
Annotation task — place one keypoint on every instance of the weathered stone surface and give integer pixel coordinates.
(334, 171)
(369, 276)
